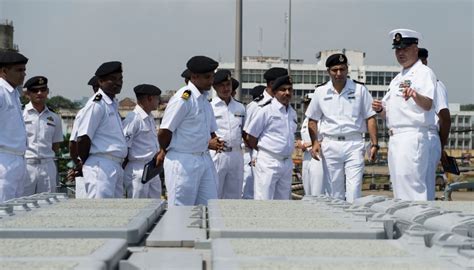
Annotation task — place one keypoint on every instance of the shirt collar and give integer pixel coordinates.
(29, 107)
(6, 85)
(412, 68)
(350, 85)
(105, 97)
(278, 105)
(218, 100)
(139, 110)
(194, 90)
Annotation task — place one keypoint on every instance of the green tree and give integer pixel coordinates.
(57, 102)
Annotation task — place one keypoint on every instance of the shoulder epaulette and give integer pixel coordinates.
(358, 82)
(51, 109)
(321, 84)
(237, 101)
(98, 97)
(257, 99)
(266, 103)
(186, 94)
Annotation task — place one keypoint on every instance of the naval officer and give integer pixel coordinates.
(272, 133)
(186, 131)
(13, 134)
(343, 106)
(140, 132)
(409, 113)
(230, 117)
(100, 141)
(44, 135)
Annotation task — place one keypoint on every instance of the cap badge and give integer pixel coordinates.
(290, 80)
(228, 78)
(40, 81)
(398, 37)
(341, 58)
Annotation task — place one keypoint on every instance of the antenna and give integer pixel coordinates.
(284, 36)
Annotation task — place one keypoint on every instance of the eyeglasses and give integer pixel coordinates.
(38, 90)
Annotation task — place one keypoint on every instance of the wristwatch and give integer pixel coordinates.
(376, 146)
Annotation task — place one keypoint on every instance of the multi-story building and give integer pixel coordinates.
(462, 126)
(6, 36)
(307, 76)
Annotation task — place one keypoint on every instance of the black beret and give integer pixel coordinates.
(257, 91)
(422, 53)
(235, 84)
(201, 64)
(12, 58)
(222, 75)
(94, 81)
(36, 82)
(273, 73)
(281, 81)
(109, 68)
(336, 59)
(147, 89)
(186, 74)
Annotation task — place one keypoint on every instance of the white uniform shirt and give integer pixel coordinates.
(274, 126)
(12, 132)
(43, 129)
(341, 114)
(101, 122)
(406, 113)
(254, 106)
(190, 117)
(139, 129)
(230, 120)
(77, 119)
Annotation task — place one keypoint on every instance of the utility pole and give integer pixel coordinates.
(238, 48)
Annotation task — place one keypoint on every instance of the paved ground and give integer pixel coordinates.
(456, 196)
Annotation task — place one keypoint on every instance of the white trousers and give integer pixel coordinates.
(272, 177)
(103, 178)
(313, 176)
(247, 192)
(190, 178)
(132, 181)
(40, 177)
(343, 163)
(435, 156)
(408, 162)
(230, 173)
(81, 192)
(12, 175)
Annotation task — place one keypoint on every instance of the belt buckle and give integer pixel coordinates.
(341, 138)
(227, 149)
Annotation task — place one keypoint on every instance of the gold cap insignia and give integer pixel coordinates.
(40, 81)
(398, 37)
(290, 80)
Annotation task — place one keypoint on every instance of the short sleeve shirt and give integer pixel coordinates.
(190, 118)
(43, 129)
(13, 134)
(341, 114)
(230, 120)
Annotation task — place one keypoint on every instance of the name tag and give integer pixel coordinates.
(239, 115)
(351, 97)
(327, 98)
(51, 124)
(218, 116)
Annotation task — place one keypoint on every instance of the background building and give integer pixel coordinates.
(6, 36)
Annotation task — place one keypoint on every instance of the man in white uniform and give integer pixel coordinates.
(140, 133)
(247, 191)
(270, 76)
(12, 133)
(230, 117)
(44, 134)
(408, 110)
(272, 133)
(312, 171)
(343, 106)
(100, 141)
(439, 133)
(185, 134)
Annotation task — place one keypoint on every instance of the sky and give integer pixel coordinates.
(66, 40)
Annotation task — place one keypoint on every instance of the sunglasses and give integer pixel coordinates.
(38, 90)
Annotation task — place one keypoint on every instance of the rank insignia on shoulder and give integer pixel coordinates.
(186, 94)
(98, 97)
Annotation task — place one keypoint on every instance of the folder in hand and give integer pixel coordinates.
(452, 166)
(150, 171)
